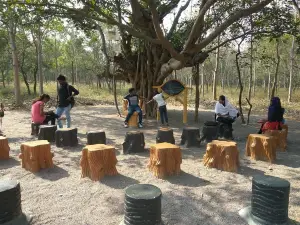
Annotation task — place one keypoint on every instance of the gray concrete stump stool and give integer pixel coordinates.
(134, 142)
(66, 137)
(96, 137)
(165, 135)
(47, 132)
(209, 131)
(35, 127)
(142, 205)
(269, 203)
(10, 206)
(191, 137)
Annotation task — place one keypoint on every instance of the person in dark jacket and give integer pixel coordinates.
(65, 94)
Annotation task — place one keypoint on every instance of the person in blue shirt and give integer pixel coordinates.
(133, 106)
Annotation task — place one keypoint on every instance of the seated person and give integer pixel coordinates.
(275, 116)
(225, 112)
(38, 115)
(133, 106)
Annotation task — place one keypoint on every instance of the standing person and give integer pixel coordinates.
(133, 106)
(65, 97)
(162, 107)
(38, 115)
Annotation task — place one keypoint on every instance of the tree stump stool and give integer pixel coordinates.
(165, 135)
(35, 127)
(209, 131)
(96, 137)
(222, 155)
(269, 202)
(165, 160)
(134, 142)
(11, 209)
(97, 161)
(36, 155)
(47, 132)
(4, 148)
(133, 121)
(280, 138)
(190, 136)
(261, 147)
(142, 205)
(66, 137)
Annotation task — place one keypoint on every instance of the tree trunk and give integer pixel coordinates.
(3, 79)
(277, 69)
(269, 83)
(291, 70)
(240, 81)
(254, 79)
(216, 71)
(73, 73)
(251, 69)
(40, 61)
(197, 95)
(24, 73)
(12, 38)
(34, 78)
(202, 80)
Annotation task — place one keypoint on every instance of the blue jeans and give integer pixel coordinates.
(131, 110)
(163, 114)
(66, 111)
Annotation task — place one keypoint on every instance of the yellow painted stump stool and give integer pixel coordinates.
(165, 160)
(222, 155)
(280, 138)
(97, 161)
(36, 155)
(4, 148)
(261, 147)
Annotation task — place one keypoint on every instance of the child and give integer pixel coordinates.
(162, 106)
(133, 106)
(1, 116)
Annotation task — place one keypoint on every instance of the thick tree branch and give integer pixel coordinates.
(199, 23)
(232, 19)
(175, 22)
(165, 43)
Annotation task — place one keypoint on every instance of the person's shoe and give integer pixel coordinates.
(125, 124)
(140, 125)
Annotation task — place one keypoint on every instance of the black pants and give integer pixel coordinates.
(226, 120)
(50, 116)
(163, 114)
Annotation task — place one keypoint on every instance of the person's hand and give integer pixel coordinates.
(69, 98)
(62, 118)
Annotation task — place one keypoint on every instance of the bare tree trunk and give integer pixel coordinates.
(254, 79)
(73, 73)
(202, 79)
(251, 69)
(277, 69)
(291, 70)
(12, 38)
(216, 71)
(197, 96)
(240, 80)
(269, 83)
(40, 61)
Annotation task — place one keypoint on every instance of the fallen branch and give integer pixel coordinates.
(249, 112)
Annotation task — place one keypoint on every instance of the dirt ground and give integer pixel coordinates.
(199, 196)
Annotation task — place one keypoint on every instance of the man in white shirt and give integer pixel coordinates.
(225, 112)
